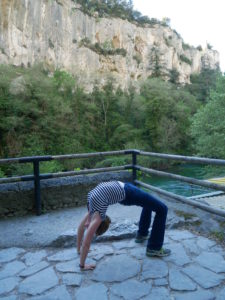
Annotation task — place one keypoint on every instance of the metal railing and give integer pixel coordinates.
(37, 177)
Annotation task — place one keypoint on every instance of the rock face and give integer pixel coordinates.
(58, 34)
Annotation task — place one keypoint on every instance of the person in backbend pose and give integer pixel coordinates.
(97, 222)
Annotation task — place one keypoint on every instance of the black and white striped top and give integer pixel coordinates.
(103, 195)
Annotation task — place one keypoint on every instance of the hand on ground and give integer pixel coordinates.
(88, 267)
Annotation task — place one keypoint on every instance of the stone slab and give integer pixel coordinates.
(178, 235)
(131, 289)
(211, 260)
(205, 243)
(138, 252)
(120, 230)
(198, 295)
(116, 269)
(64, 255)
(10, 254)
(11, 269)
(125, 244)
(205, 278)
(12, 297)
(58, 293)
(154, 268)
(160, 282)
(191, 246)
(72, 279)
(8, 284)
(32, 258)
(95, 291)
(34, 269)
(39, 283)
(158, 293)
(221, 293)
(180, 282)
(71, 266)
(100, 249)
(178, 255)
(114, 297)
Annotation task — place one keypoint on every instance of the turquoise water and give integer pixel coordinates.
(188, 170)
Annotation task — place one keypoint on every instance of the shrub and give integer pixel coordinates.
(185, 59)
(138, 58)
(209, 46)
(2, 174)
(103, 49)
(199, 48)
(185, 46)
(85, 42)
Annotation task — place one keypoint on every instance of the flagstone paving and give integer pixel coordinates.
(194, 270)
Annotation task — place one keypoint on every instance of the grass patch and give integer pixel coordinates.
(218, 235)
(187, 216)
(222, 224)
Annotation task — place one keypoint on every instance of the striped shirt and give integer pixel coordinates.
(103, 195)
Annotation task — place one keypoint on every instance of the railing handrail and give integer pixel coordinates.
(61, 157)
(183, 199)
(193, 159)
(182, 178)
(64, 174)
(36, 177)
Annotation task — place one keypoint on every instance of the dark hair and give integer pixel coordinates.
(103, 227)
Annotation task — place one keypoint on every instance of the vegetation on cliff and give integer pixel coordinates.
(47, 115)
(117, 8)
(208, 126)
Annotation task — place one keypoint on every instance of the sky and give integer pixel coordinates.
(197, 21)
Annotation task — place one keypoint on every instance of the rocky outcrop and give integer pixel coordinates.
(59, 35)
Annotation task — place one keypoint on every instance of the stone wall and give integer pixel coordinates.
(17, 199)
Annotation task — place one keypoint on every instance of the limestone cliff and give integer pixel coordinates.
(57, 33)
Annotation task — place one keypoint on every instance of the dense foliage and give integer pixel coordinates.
(49, 114)
(119, 9)
(202, 83)
(103, 49)
(208, 126)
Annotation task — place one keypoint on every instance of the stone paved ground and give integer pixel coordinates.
(195, 270)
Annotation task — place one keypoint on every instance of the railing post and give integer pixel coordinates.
(37, 188)
(134, 162)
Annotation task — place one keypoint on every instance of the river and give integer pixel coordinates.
(188, 170)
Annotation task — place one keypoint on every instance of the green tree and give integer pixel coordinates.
(107, 117)
(156, 64)
(208, 128)
(167, 116)
(174, 76)
(41, 117)
(202, 83)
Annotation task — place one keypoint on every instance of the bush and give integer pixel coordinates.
(208, 127)
(185, 59)
(209, 46)
(186, 46)
(2, 174)
(103, 49)
(199, 48)
(112, 162)
(117, 9)
(174, 76)
(138, 58)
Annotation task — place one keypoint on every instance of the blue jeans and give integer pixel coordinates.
(149, 203)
